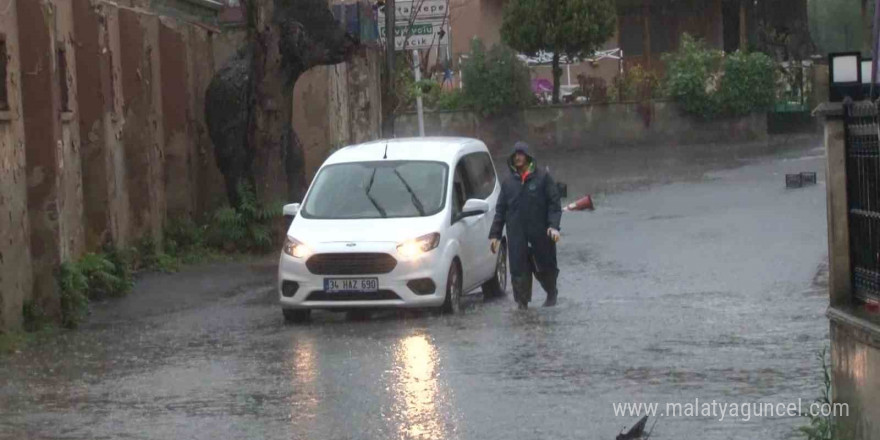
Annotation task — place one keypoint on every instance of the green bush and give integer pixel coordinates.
(432, 93)
(452, 100)
(110, 274)
(749, 83)
(73, 285)
(105, 277)
(823, 427)
(34, 317)
(708, 84)
(692, 77)
(92, 277)
(495, 81)
(145, 254)
(182, 235)
(434, 97)
(637, 84)
(247, 228)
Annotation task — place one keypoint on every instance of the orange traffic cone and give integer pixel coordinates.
(585, 203)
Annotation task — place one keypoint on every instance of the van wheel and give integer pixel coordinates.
(497, 286)
(452, 304)
(295, 316)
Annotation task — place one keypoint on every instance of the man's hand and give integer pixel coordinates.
(553, 234)
(493, 245)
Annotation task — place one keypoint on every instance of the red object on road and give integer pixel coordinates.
(872, 306)
(585, 203)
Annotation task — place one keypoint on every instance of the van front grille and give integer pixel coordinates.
(351, 264)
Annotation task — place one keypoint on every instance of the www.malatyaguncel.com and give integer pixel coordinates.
(727, 410)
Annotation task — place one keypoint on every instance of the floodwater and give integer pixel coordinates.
(710, 288)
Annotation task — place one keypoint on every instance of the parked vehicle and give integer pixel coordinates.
(397, 223)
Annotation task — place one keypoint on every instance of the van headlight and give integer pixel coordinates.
(412, 249)
(295, 248)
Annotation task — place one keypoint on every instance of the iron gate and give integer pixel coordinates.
(863, 193)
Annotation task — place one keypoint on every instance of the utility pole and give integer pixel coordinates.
(388, 122)
(417, 72)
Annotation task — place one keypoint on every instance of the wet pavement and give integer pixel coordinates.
(710, 288)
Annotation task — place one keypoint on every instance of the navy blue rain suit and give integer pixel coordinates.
(529, 206)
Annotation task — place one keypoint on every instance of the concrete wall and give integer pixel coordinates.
(207, 181)
(335, 106)
(855, 359)
(53, 175)
(205, 11)
(104, 127)
(15, 257)
(103, 139)
(143, 134)
(469, 19)
(575, 127)
(101, 123)
(173, 55)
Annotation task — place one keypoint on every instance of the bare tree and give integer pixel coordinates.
(249, 103)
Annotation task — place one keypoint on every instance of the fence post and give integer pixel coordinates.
(839, 276)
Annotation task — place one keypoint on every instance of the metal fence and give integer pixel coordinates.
(863, 192)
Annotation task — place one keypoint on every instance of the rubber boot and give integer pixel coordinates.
(522, 290)
(548, 283)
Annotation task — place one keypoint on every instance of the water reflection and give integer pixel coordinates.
(303, 369)
(417, 394)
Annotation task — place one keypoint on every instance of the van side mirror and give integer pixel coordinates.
(291, 210)
(473, 208)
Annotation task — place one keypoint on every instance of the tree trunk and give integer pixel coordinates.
(388, 103)
(743, 27)
(249, 103)
(646, 32)
(557, 76)
(269, 124)
(866, 23)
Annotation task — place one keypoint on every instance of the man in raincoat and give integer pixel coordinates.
(529, 206)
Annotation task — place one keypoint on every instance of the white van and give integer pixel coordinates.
(397, 223)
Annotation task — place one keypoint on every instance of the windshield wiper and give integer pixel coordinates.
(416, 202)
(372, 200)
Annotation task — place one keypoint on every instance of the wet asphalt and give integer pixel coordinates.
(709, 288)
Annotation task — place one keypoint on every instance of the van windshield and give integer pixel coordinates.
(386, 189)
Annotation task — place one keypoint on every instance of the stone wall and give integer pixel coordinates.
(855, 357)
(335, 106)
(102, 126)
(205, 11)
(562, 128)
(102, 131)
(15, 258)
(54, 175)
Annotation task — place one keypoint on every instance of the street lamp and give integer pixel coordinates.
(845, 76)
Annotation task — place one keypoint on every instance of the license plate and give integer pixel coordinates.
(358, 285)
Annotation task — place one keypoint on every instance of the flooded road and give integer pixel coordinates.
(711, 289)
